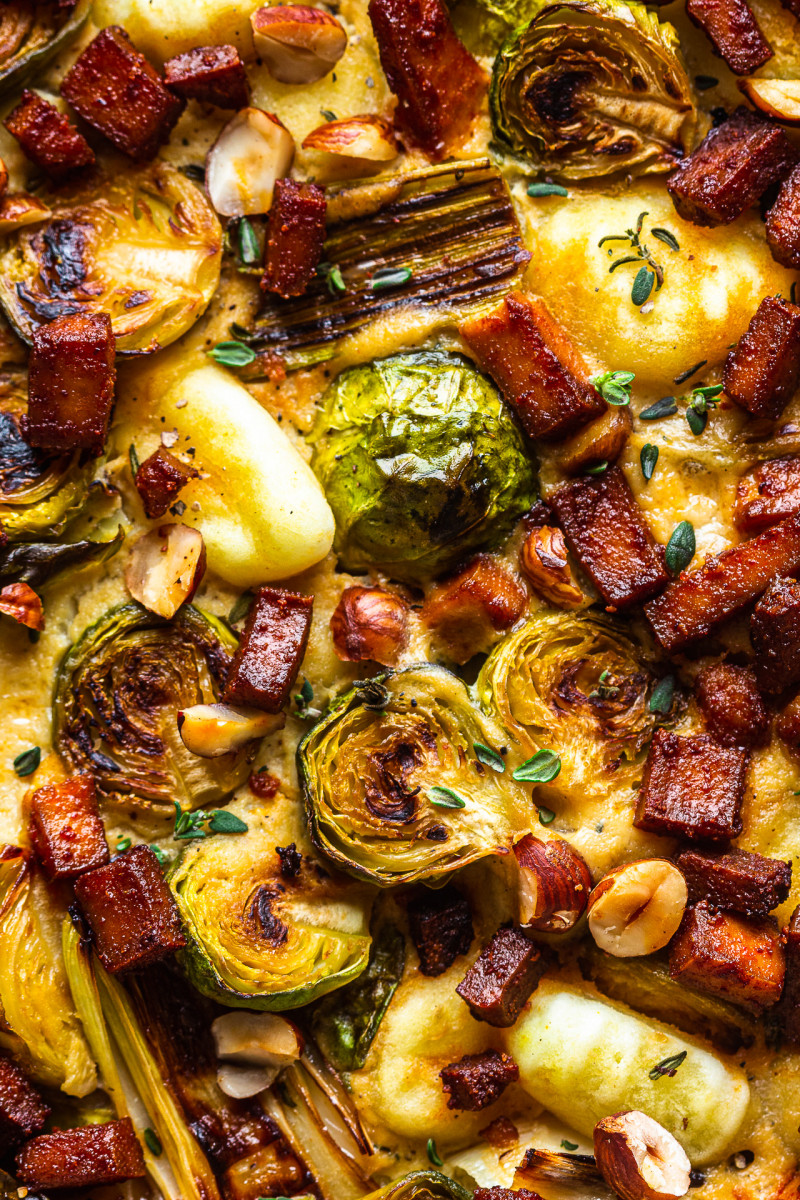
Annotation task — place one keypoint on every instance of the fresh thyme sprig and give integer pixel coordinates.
(651, 271)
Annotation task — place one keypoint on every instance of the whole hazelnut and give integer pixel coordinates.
(640, 1159)
(370, 623)
(636, 908)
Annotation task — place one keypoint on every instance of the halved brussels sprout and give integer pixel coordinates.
(118, 692)
(421, 463)
(421, 1185)
(31, 34)
(591, 88)
(260, 936)
(393, 789)
(144, 246)
(39, 490)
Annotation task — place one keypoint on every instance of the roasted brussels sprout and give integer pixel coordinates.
(421, 463)
(421, 1185)
(118, 691)
(31, 34)
(592, 88)
(36, 563)
(261, 935)
(144, 246)
(393, 789)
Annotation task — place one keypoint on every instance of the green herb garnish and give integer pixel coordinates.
(680, 548)
(226, 822)
(240, 608)
(546, 815)
(123, 844)
(650, 272)
(445, 797)
(546, 189)
(332, 275)
(614, 386)
(598, 468)
(489, 757)
(390, 277)
(642, 286)
(133, 459)
(27, 762)
(648, 458)
(687, 374)
(163, 858)
(433, 1154)
(704, 82)
(665, 407)
(667, 1066)
(328, 115)
(542, 768)
(663, 692)
(232, 354)
(565, 1145)
(666, 237)
(249, 249)
(152, 1142)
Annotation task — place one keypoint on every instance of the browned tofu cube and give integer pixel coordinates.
(762, 372)
(71, 384)
(606, 531)
(66, 832)
(439, 86)
(690, 607)
(87, 1156)
(211, 74)
(787, 1012)
(272, 647)
(783, 219)
(501, 979)
(767, 494)
(542, 376)
(296, 237)
(733, 32)
(466, 612)
(47, 137)
(130, 911)
(159, 481)
(728, 956)
(742, 882)
(23, 1112)
(731, 168)
(116, 90)
(440, 923)
(692, 787)
(775, 634)
(477, 1080)
(732, 705)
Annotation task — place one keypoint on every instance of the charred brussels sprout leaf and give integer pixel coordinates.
(143, 246)
(36, 563)
(589, 89)
(118, 691)
(421, 463)
(421, 1185)
(367, 773)
(31, 34)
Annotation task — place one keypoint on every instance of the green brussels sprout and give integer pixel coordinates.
(421, 463)
(421, 1185)
(393, 789)
(31, 35)
(118, 692)
(591, 88)
(144, 245)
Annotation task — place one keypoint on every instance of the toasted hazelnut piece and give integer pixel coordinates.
(554, 884)
(20, 209)
(639, 1158)
(543, 558)
(20, 602)
(256, 1039)
(466, 611)
(637, 907)
(602, 440)
(243, 1082)
(210, 730)
(369, 623)
(250, 154)
(165, 568)
(778, 98)
(298, 44)
(367, 137)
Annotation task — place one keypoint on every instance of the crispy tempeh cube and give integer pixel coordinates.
(468, 610)
(607, 532)
(767, 494)
(763, 370)
(211, 74)
(733, 165)
(775, 633)
(71, 384)
(130, 911)
(728, 956)
(502, 977)
(692, 787)
(537, 368)
(440, 923)
(693, 605)
(603, 440)
(87, 1156)
(23, 1112)
(66, 832)
(295, 238)
(733, 32)
(788, 1010)
(116, 90)
(787, 726)
(783, 220)
(47, 137)
(732, 705)
(746, 883)
(271, 649)
(160, 479)
(477, 1080)
(439, 86)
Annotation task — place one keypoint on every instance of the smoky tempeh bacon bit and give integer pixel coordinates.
(211, 74)
(726, 955)
(88, 1156)
(746, 883)
(537, 368)
(783, 220)
(477, 1080)
(762, 372)
(130, 911)
(692, 787)
(607, 532)
(465, 611)
(295, 237)
(733, 165)
(501, 979)
(116, 90)
(775, 634)
(787, 1012)
(439, 85)
(271, 649)
(66, 832)
(732, 705)
(159, 481)
(767, 494)
(71, 384)
(733, 32)
(504, 1193)
(690, 607)
(47, 137)
(23, 1112)
(440, 923)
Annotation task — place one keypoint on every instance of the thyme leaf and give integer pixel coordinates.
(680, 548)
(648, 457)
(614, 386)
(543, 767)
(547, 189)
